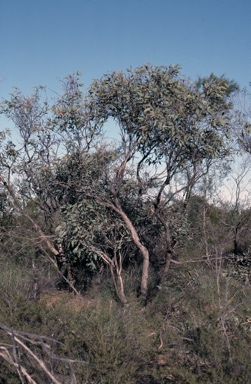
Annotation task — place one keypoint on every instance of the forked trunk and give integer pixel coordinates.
(119, 286)
(141, 247)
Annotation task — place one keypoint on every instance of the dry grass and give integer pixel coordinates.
(66, 300)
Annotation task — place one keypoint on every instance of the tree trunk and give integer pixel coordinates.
(141, 247)
(119, 286)
(118, 280)
(166, 268)
(169, 250)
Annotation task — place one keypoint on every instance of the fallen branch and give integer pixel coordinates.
(20, 340)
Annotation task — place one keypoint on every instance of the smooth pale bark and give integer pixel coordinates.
(116, 276)
(140, 246)
(119, 285)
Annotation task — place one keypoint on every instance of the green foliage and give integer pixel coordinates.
(162, 113)
(189, 333)
(164, 119)
(88, 226)
(102, 204)
(229, 86)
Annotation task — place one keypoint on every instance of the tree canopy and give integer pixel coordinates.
(101, 198)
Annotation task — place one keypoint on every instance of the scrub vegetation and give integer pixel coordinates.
(121, 260)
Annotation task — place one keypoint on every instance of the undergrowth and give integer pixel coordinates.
(195, 329)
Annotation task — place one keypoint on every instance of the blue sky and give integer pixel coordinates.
(42, 41)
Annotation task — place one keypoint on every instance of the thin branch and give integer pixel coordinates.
(40, 362)
(20, 369)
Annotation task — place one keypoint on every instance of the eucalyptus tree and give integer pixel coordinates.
(44, 134)
(99, 196)
(57, 163)
(90, 232)
(170, 130)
